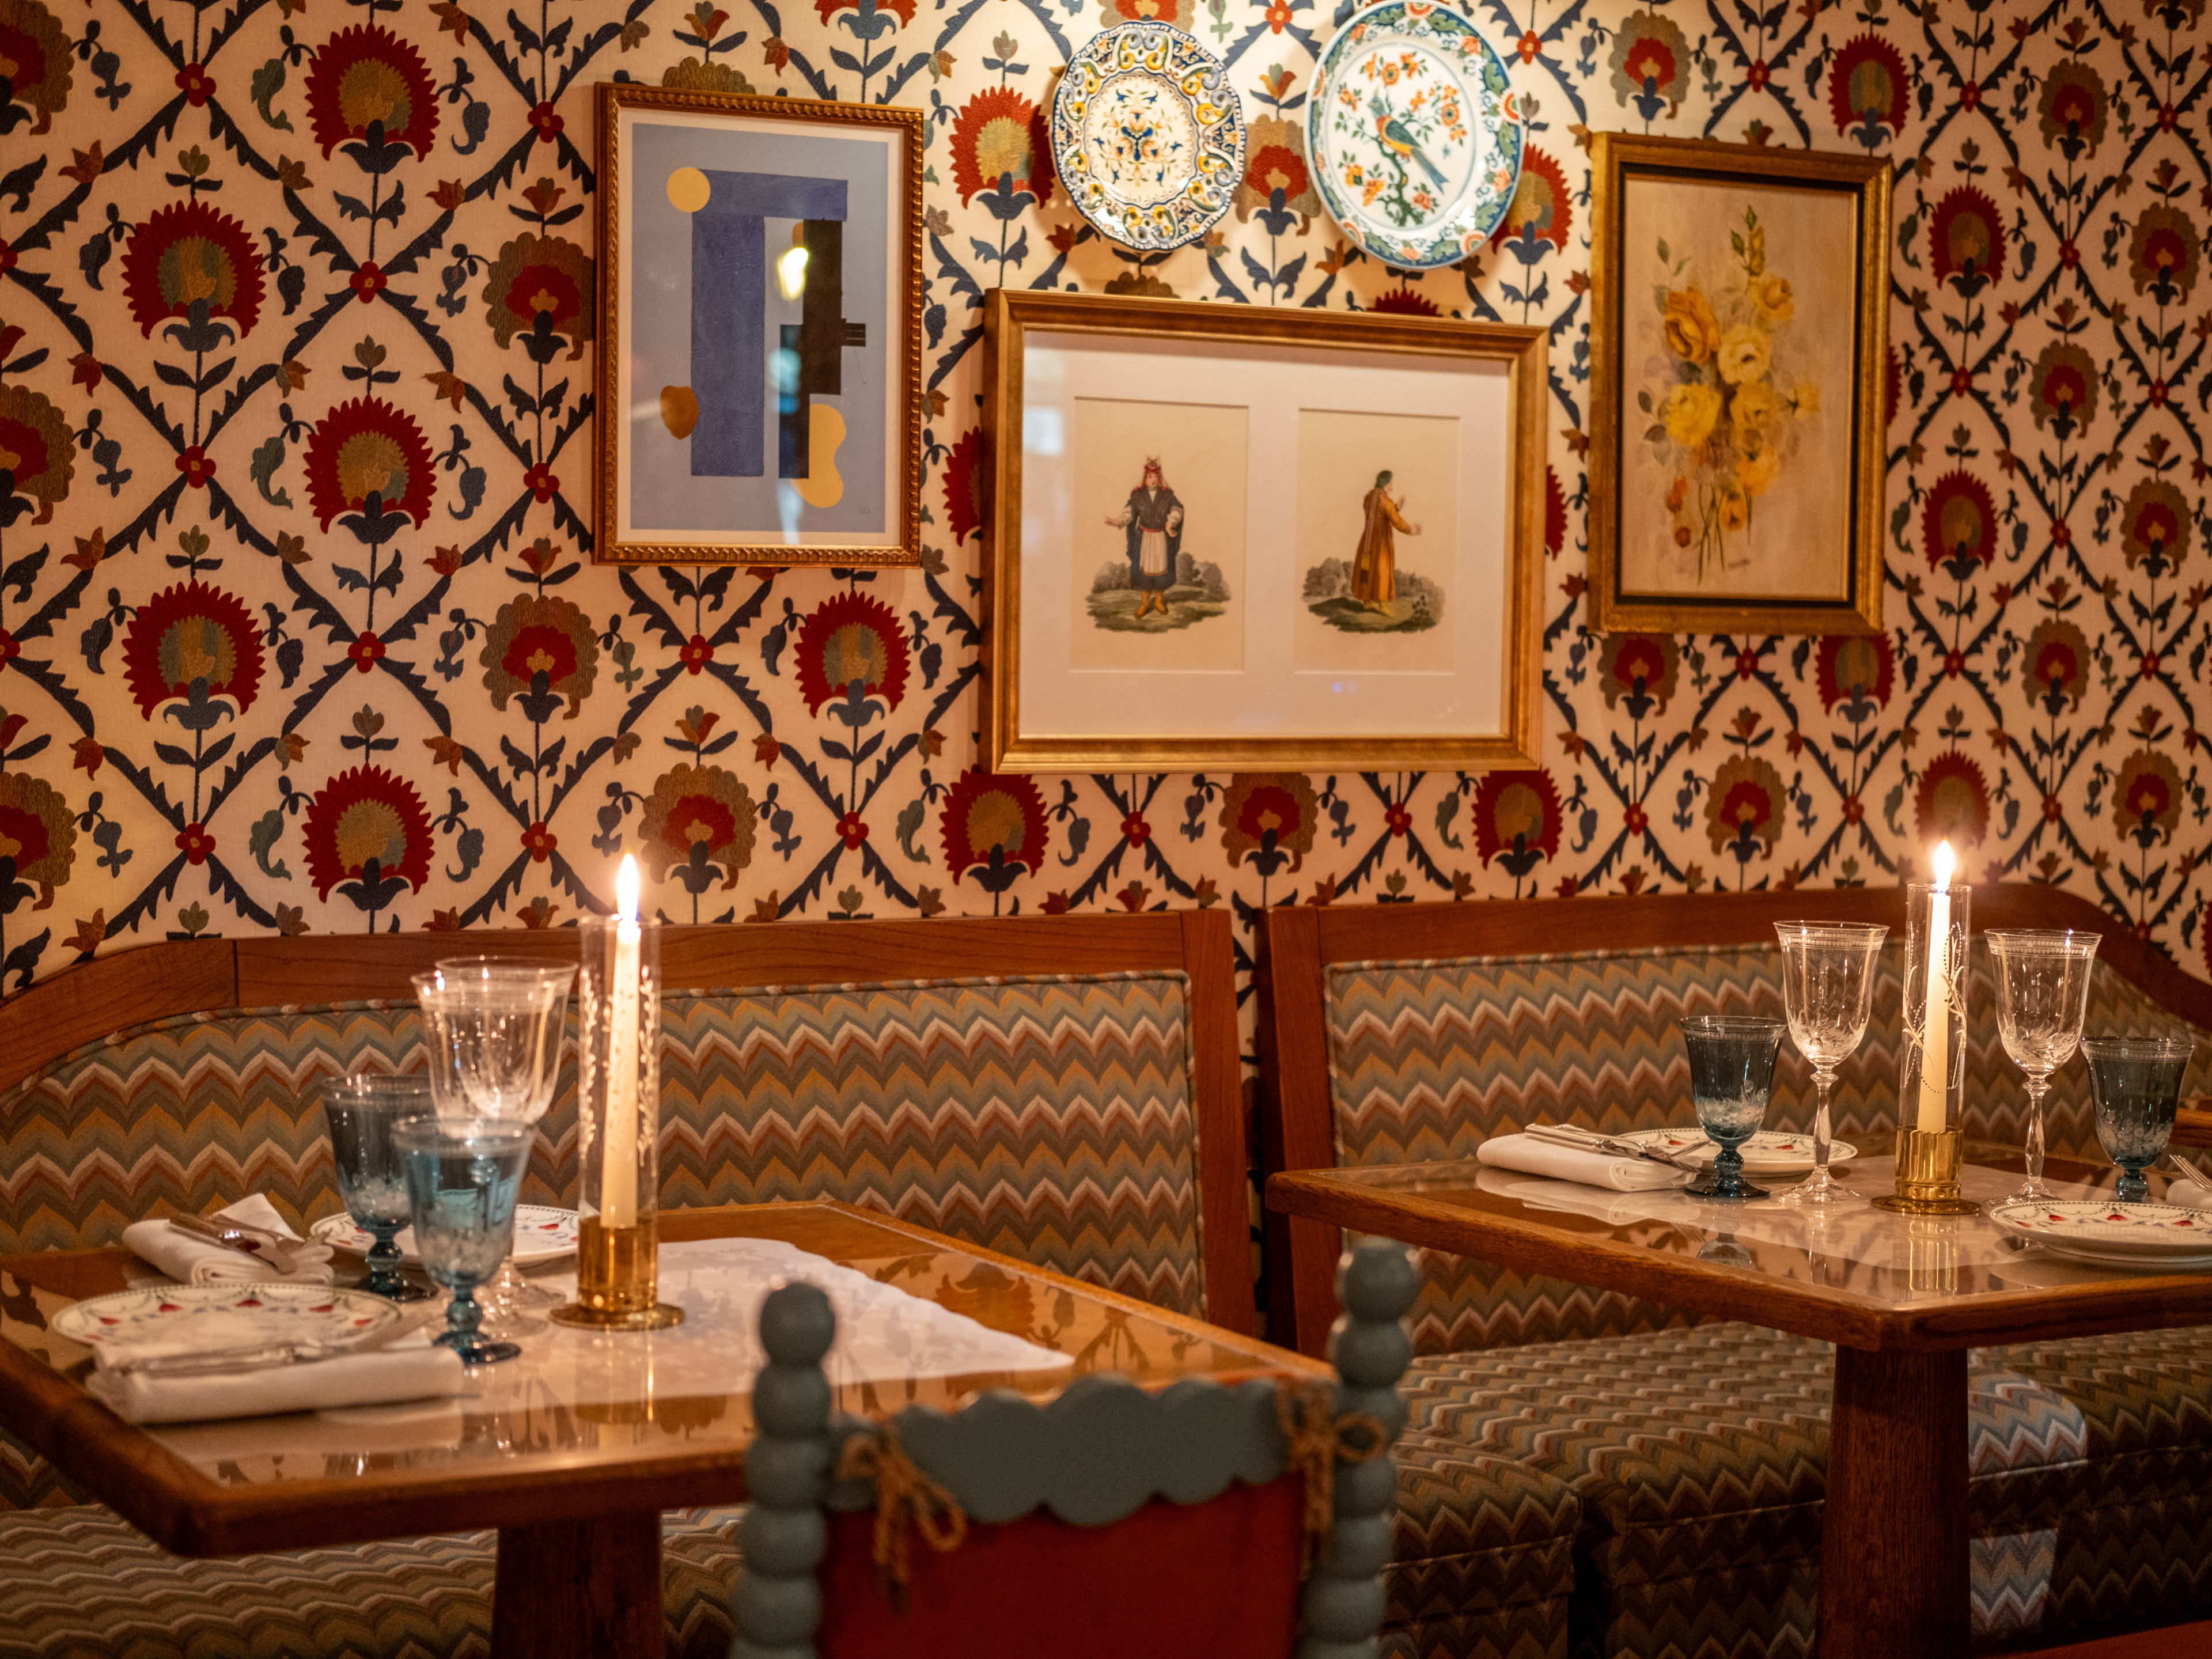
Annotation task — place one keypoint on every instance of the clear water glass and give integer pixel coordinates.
(495, 1026)
(362, 1111)
(2043, 993)
(2136, 1085)
(1827, 991)
(462, 1182)
(1731, 1073)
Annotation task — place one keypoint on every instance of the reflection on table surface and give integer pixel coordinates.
(575, 1396)
(1858, 1249)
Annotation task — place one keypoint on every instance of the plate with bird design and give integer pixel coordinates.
(1147, 136)
(1414, 136)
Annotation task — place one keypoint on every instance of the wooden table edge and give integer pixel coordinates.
(1847, 1318)
(189, 1513)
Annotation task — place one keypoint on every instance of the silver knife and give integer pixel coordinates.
(249, 1241)
(1566, 1134)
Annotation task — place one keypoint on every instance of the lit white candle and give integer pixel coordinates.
(1935, 1054)
(618, 1163)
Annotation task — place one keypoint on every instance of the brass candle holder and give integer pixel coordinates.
(1931, 1084)
(618, 1123)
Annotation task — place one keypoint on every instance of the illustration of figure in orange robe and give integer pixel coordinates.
(1374, 567)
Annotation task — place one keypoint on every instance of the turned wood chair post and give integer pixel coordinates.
(1343, 1603)
(777, 1605)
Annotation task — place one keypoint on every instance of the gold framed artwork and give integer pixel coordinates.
(1739, 335)
(1234, 536)
(760, 330)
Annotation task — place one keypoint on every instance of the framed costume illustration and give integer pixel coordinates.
(760, 332)
(1236, 535)
(1739, 334)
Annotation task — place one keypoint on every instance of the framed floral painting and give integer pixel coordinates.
(1233, 535)
(1739, 337)
(760, 330)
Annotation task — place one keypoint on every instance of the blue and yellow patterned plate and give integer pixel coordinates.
(1414, 137)
(1147, 136)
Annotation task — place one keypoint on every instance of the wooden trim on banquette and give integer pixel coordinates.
(1296, 1122)
(92, 1001)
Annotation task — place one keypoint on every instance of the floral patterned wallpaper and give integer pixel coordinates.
(298, 629)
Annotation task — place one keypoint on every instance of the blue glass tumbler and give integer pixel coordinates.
(362, 1112)
(1731, 1072)
(462, 1182)
(2136, 1083)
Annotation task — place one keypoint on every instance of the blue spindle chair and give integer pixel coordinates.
(1111, 1521)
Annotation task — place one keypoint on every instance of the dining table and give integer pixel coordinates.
(1902, 1298)
(574, 1450)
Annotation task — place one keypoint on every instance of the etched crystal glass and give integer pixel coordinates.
(2043, 991)
(1827, 991)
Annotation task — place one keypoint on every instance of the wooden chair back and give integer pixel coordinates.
(1299, 1073)
(1110, 1522)
(90, 1003)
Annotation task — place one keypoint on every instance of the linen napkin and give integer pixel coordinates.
(2188, 1193)
(194, 1260)
(1543, 1157)
(410, 1369)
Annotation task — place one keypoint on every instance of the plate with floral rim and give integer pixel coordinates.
(1415, 137)
(1147, 136)
(541, 1234)
(2117, 1234)
(189, 1318)
(1771, 1152)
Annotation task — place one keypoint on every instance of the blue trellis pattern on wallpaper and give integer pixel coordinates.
(299, 628)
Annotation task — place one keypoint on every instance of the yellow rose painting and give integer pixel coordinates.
(1726, 411)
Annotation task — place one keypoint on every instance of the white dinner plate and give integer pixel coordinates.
(2134, 1262)
(1769, 1153)
(2128, 1234)
(201, 1316)
(541, 1234)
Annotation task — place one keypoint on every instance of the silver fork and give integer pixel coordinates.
(252, 1240)
(1566, 1134)
(267, 1356)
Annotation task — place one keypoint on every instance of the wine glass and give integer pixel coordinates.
(2043, 991)
(1827, 990)
(495, 1028)
(362, 1111)
(1731, 1070)
(462, 1181)
(2136, 1083)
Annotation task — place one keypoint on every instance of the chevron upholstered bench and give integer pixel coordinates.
(1693, 1455)
(1063, 1090)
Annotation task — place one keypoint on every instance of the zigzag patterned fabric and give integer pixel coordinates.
(1429, 1058)
(1048, 1118)
(83, 1582)
(1483, 1565)
(1697, 1459)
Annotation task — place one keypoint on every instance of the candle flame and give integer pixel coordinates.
(626, 886)
(1944, 861)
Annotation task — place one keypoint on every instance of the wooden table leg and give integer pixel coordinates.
(569, 1588)
(1894, 1567)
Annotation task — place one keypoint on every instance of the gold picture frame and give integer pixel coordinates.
(837, 316)
(1445, 668)
(1808, 517)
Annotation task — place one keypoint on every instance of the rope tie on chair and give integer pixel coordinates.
(906, 1498)
(1313, 1438)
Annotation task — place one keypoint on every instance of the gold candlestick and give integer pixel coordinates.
(618, 1123)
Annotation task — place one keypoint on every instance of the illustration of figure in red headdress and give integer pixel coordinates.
(1152, 518)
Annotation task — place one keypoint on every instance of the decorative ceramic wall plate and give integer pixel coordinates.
(192, 1318)
(541, 1234)
(1147, 136)
(1769, 1153)
(1415, 140)
(2142, 1236)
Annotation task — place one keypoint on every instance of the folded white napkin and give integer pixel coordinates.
(1543, 1157)
(194, 1260)
(411, 1370)
(2189, 1192)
